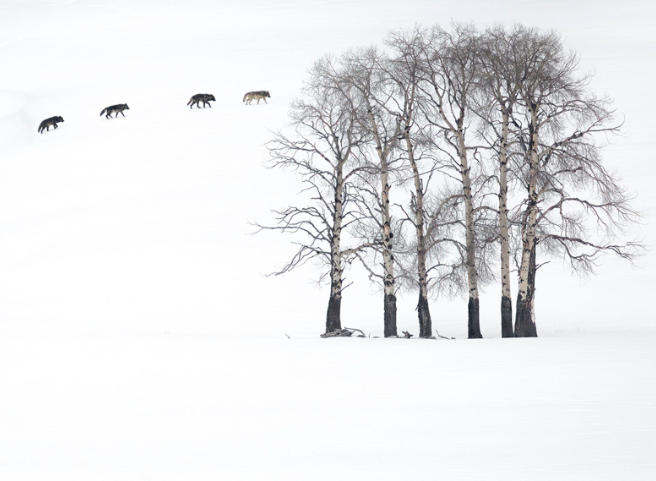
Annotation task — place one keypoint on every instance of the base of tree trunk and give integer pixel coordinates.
(389, 315)
(425, 323)
(506, 317)
(474, 324)
(524, 323)
(333, 316)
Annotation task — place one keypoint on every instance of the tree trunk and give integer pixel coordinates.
(473, 320)
(423, 311)
(524, 322)
(333, 317)
(390, 315)
(474, 331)
(506, 317)
(388, 262)
(506, 300)
(425, 323)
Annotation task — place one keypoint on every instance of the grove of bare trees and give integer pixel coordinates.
(448, 159)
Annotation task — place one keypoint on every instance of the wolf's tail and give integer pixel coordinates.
(103, 111)
(190, 100)
(245, 96)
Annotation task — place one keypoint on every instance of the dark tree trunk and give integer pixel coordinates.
(524, 322)
(474, 322)
(506, 317)
(524, 325)
(390, 315)
(334, 315)
(425, 324)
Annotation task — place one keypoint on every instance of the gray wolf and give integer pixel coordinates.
(115, 109)
(45, 125)
(198, 98)
(258, 95)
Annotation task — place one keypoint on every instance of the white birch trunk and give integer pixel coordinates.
(474, 329)
(423, 311)
(524, 323)
(506, 300)
(388, 257)
(333, 316)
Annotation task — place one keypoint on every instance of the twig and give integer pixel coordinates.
(443, 337)
(357, 330)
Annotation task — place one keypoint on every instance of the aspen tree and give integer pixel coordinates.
(451, 71)
(323, 151)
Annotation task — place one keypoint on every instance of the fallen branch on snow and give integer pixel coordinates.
(443, 337)
(346, 332)
(356, 330)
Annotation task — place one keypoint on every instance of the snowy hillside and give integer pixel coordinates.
(139, 336)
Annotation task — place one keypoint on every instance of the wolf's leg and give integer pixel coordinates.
(121, 112)
(55, 125)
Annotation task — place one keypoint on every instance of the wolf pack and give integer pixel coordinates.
(196, 100)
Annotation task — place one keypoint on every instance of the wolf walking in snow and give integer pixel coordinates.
(257, 95)
(45, 125)
(198, 98)
(116, 109)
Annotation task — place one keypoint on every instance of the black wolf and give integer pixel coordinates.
(198, 98)
(116, 109)
(45, 125)
(259, 95)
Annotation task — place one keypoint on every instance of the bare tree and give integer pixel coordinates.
(323, 151)
(450, 77)
(561, 129)
(364, 80)
(403, 72)
(498, 95)
(505, 114)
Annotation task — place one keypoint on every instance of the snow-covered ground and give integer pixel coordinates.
(139, 337)
(175, 408)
